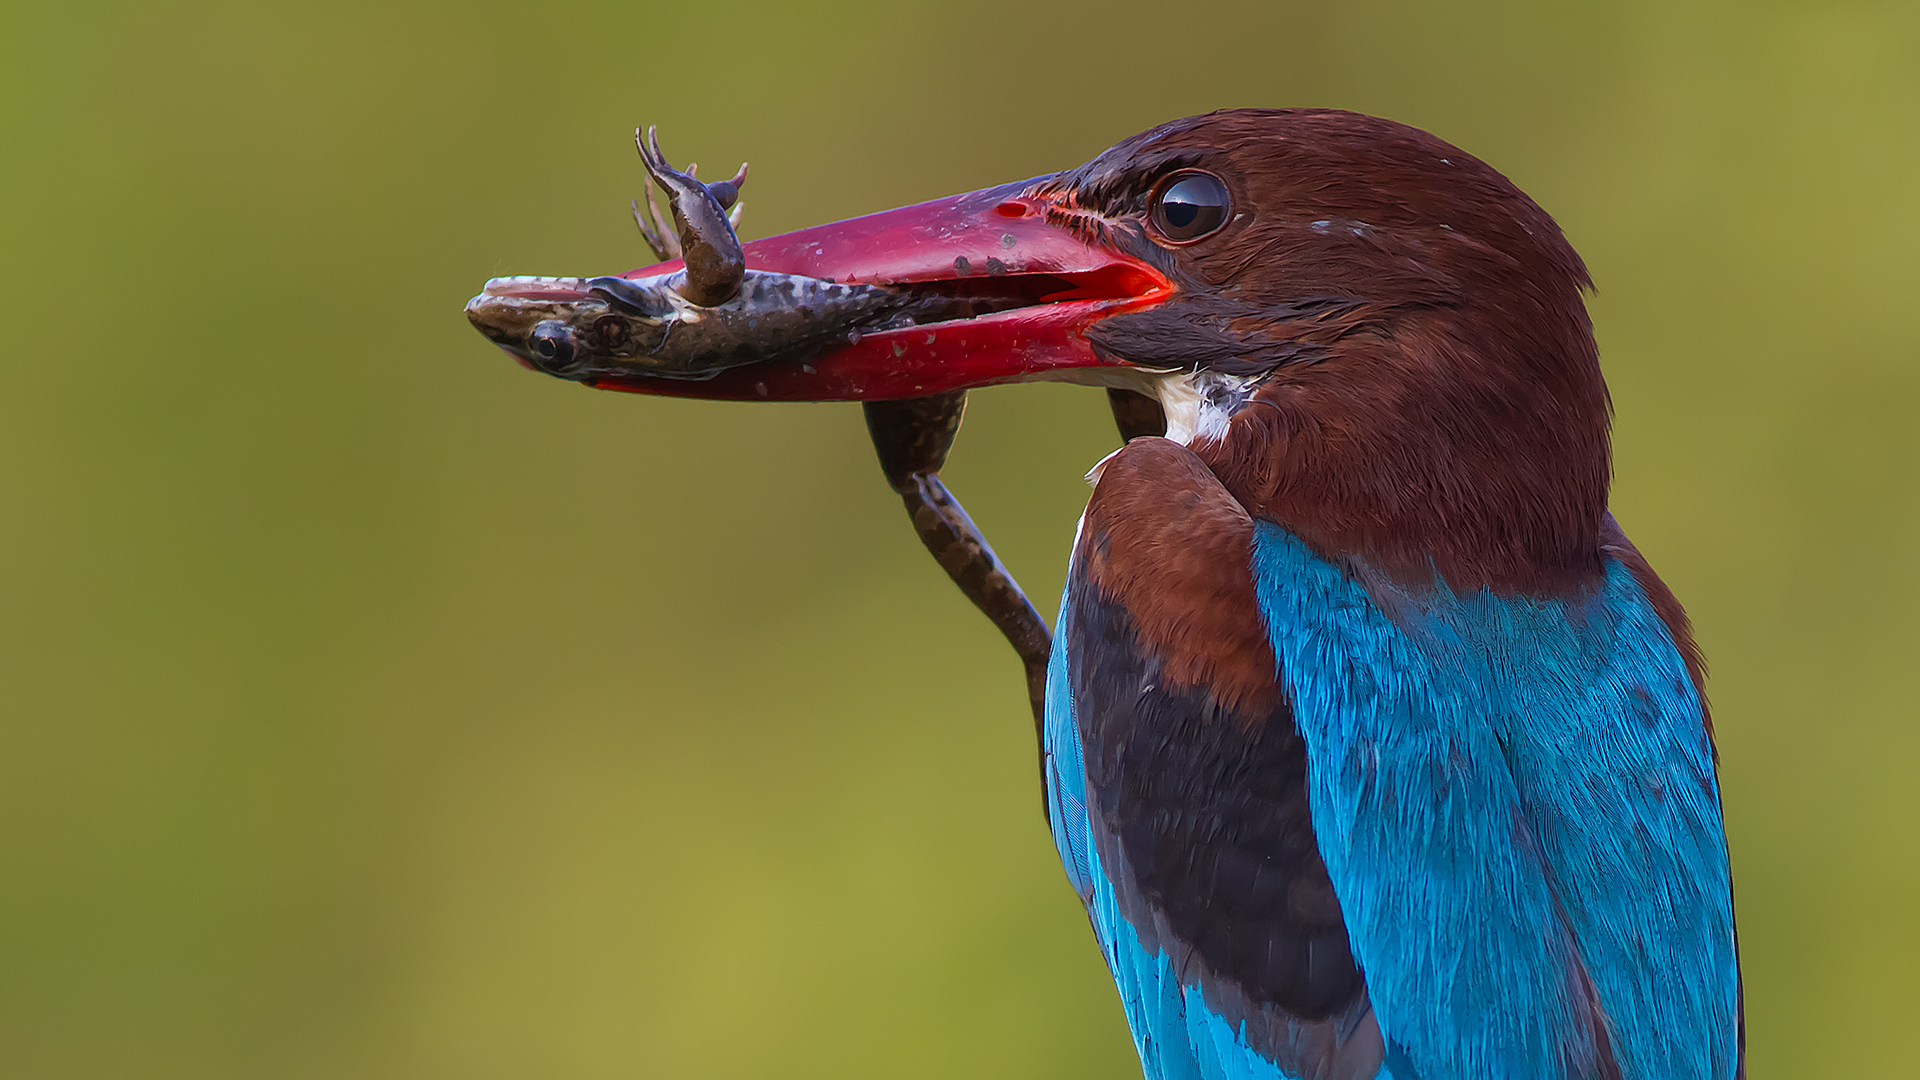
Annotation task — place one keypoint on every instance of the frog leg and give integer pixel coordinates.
(715, 263)
(912, 438)
(1136, 414)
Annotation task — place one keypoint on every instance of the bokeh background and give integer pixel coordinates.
(371, 707)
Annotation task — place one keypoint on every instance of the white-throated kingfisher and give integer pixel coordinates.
(1371, 745)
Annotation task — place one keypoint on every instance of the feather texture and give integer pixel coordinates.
(1511, 800)
(1516, 801)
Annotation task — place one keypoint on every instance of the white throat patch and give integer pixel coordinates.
(1199, 404)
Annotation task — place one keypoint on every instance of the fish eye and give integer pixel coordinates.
(552, 342)
(1190, 205)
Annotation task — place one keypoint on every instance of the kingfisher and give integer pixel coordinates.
(1371, 745)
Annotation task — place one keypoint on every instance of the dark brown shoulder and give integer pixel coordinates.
(1614, 544)
(1165, 539)
(1196, 778)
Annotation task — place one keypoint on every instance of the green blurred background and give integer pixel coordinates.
(371, 707)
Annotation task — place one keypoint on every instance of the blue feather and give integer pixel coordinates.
(1515, 799)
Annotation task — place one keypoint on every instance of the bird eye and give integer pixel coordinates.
(552, 342)
(1190, 205)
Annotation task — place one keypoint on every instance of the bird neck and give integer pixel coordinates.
(1487, 476)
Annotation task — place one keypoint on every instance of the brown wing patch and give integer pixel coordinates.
(1167, 541)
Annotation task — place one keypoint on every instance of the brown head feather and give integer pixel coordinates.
(1428, 391)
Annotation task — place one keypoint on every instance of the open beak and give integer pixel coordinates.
(1004, 287)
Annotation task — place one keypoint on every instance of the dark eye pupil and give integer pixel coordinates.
(1190, 207)
(552, 342)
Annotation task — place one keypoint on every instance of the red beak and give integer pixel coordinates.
(997, 242)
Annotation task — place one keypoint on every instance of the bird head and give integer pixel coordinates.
(1371, 337)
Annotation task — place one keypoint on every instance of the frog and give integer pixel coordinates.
(711, 314)
(714, 314)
